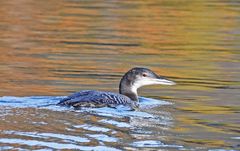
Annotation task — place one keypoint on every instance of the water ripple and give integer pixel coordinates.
(54, 145)
(64, 137)
(154, 144)
(92, 128)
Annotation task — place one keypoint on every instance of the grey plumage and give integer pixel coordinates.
(92, 98)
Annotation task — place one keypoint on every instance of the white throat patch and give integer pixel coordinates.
(142, 82)
(149, 81)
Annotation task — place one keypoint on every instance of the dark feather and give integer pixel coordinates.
(92, 98)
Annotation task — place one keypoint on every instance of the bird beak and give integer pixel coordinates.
(164, 81)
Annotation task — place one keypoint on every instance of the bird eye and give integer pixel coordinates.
(144, 74)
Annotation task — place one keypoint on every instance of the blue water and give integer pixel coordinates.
(105, 130)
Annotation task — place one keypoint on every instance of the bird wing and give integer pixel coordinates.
(95, 97)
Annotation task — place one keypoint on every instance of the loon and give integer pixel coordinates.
(127, 96)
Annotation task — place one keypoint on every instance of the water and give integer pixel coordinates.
(50, 49)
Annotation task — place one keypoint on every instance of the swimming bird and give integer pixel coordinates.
(130, 82)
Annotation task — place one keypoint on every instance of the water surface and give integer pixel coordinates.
(50, 49)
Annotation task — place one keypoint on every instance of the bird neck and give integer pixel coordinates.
(126, 88)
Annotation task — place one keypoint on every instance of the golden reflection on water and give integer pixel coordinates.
(43, 38)
(57, 47)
